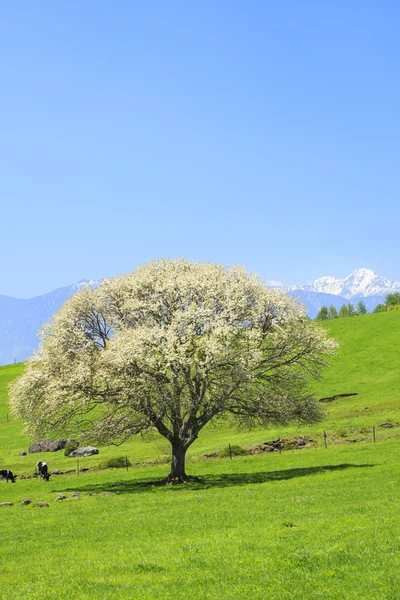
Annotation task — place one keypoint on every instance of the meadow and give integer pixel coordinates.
(318, 522)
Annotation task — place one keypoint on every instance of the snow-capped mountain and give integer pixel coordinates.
(361, 283)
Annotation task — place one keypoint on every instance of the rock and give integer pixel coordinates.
(61, 497)
(44, 446)
(23, 453)
(56, 472)
(301, 442)
(6, 503)
(76, 495)
(43, 504)
(86, 451)
(387, 425)
(107, 493)
(25, 502)
(50, 445)
(213, 455)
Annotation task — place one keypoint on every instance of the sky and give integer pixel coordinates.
(258, 133)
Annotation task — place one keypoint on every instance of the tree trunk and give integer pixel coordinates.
(177, 474)
(177, 462)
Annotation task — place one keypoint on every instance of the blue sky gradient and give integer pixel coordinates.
(255, 133)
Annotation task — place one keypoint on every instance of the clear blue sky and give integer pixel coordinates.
(259, 133)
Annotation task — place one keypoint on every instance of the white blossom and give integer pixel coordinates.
(172, 346)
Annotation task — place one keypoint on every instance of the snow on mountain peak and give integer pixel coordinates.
(362, 282)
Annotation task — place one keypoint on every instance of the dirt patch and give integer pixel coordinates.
(333, 398)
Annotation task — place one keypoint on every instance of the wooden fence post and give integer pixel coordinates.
(230, 452)
(373, 433)
(126, 457)
(325, 436)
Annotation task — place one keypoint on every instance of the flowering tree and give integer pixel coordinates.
(170, 347)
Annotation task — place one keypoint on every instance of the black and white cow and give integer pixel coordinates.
(7, 474)
(42, 470)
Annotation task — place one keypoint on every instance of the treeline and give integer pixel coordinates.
(347, 310)
(392, 302)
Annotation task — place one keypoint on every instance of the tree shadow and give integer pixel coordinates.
(209, 481)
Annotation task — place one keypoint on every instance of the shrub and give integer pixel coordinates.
(235, 451)
(70, 447)
(115, 463)
(289, 444)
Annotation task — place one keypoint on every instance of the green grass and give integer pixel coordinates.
(301, 524)
(368, 363)
(319, 523)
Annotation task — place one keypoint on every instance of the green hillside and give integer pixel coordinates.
(368, 363)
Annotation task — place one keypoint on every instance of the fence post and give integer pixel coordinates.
(230, 452)
(7, 417)
(126, 457)
(77, 467)
(325, 436)
(373, 433)
(280, 446)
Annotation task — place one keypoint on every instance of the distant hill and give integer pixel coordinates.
(20, 321)
(315, 300)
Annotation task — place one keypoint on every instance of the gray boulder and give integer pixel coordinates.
(86, 451)
(50, 445)
(44, 446)
(23, 453)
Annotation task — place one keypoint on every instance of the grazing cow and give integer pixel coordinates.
(42, 470)
(7, 474)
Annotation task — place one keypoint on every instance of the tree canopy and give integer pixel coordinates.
(392, 302)
(323, 314)
(170, 347)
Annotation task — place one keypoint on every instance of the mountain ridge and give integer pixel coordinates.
(360, 283)
(22, 319)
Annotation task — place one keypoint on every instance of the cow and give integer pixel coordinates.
(42, 470)
(7, 474)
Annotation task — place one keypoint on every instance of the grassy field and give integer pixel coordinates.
(310, 524)
(301, 524)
